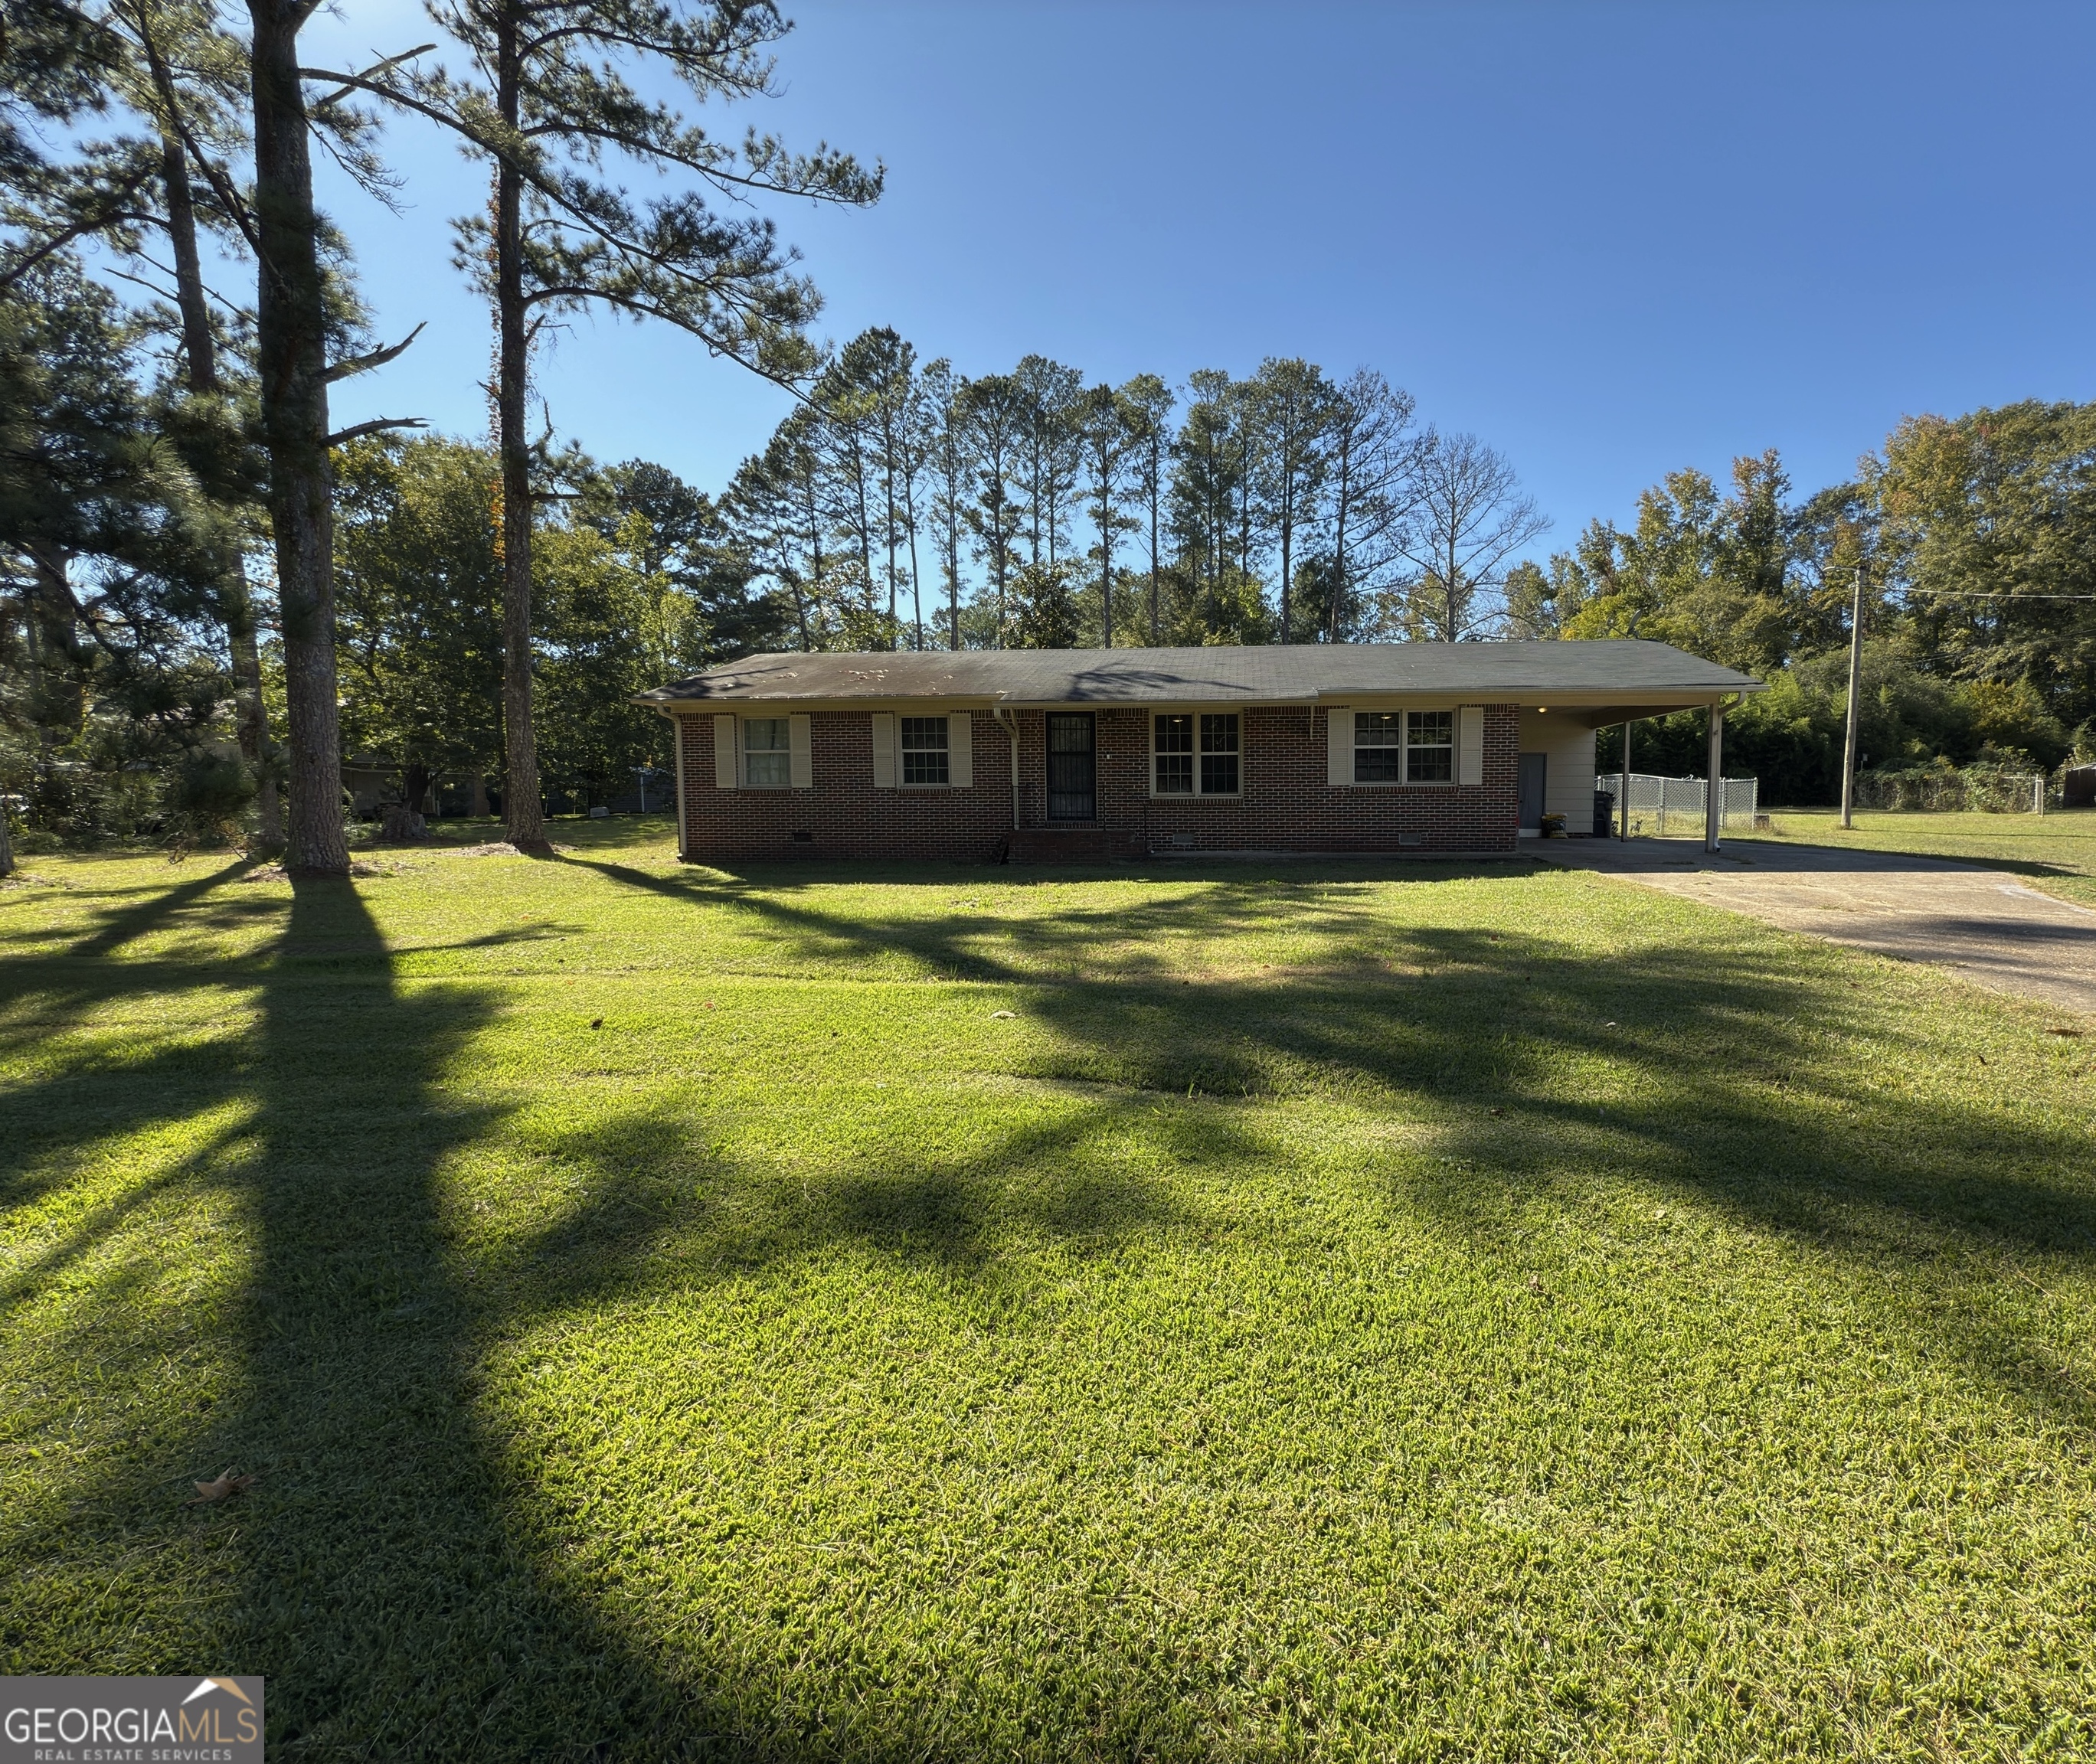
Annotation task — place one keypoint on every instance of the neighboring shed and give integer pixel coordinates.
(1037, 753)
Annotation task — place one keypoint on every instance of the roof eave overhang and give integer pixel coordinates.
(1598, 706)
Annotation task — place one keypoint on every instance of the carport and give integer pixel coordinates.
(1598, 716)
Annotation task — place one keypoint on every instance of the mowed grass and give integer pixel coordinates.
(2057, 850)
(1319, 1311)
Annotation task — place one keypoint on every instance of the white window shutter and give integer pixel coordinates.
(800, 761)
(884, 750)
(724, 767)
(1470, 744)
(1338, 745)
(960, 750)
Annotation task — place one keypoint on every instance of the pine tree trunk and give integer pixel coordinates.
(1106, 566)
(1155, 474)
(251, 718)
(1287, 583)
(290, 336)
(520, 807)
(57, 670)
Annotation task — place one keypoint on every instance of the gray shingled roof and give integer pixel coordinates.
(1287, 674)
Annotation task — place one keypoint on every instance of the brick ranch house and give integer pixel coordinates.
(1042, 753)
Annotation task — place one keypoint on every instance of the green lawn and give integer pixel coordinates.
(1313, 1311)
(2056, 851)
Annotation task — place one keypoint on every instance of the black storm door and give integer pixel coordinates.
(1072, 789)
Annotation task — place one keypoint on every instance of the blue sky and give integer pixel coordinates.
(1612, 239)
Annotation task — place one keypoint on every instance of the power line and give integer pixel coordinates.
(1998, 594)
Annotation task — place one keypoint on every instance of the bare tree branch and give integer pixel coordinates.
(346, 90)
(377, 358)
(374, 427)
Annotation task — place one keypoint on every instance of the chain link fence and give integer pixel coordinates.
(1993, 789)
(1674, 808)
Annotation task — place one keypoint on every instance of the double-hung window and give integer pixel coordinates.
(1405, 747)
(767, 759)
(1195, 754)
(924, 754)
(1430, 747)
(1219, 753)
(1378, 747)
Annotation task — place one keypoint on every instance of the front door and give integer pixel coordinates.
(1534, 768)
(1072, 789)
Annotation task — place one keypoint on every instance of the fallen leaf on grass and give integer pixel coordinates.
(995, 1015)
(226, 1485)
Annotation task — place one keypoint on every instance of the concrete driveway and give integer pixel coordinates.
(1985, 924)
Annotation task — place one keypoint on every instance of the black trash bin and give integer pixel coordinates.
(1605, 803)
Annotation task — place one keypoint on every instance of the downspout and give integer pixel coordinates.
(1011, 729)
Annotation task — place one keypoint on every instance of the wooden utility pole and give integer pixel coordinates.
(1855, 697)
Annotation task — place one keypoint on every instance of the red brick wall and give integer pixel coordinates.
(845, 816)
(1286, 803)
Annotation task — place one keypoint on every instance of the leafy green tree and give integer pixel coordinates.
(1540, 601)
(184, 75)
(878, 371)
(592, 660)
(1295, 407)
(997, 417)
(1212, 481)
(419, 588)
(775, 509)
(548, 103)
(58, 63)
(108, 552)
(1989, 527)
(698, 576)
(942, 418)
(1373, 491)
(1146, 404)
(1047, 608)
(1050, 451)
(1111, 430)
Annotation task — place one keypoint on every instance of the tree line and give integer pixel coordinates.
(207, 590)
(167, 466)
(1975, 539)
(904, 504)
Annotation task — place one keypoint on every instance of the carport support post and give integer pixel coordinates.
(1623, 790)
(1714, 797)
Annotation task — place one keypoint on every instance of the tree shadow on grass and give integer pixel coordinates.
(397, 1601)
(660, 1211)
(402, 1585)
(1710, 1051)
